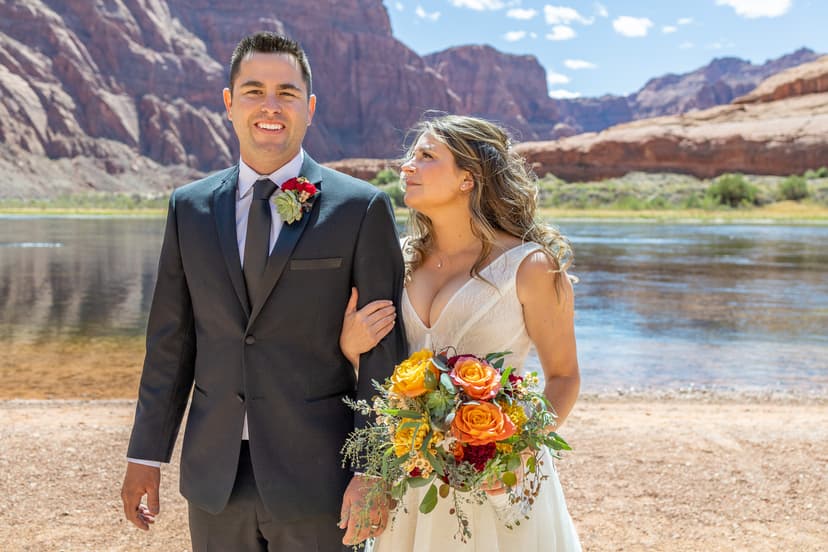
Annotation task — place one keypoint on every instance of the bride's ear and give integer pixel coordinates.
(467, 184)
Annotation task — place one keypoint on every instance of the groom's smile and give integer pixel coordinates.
(270, 109)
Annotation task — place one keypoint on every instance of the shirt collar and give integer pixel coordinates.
(248, 177)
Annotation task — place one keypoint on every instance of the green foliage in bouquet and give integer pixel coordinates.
(460, 426)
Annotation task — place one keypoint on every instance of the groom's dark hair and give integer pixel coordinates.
(269, 43)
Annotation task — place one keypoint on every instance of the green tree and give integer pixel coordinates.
(793, 188)
(733, 190)
(386, 176)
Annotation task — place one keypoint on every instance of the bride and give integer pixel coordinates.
(482, 276)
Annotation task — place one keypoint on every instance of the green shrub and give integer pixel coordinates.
(821, 172)
(733, 190)
(386, 176)
(794, 188)
(395, 193)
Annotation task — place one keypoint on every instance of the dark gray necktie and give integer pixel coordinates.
(257, 243)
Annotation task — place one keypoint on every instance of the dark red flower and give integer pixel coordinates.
(300, 184)
(478, 455)
(513, 381)
(415, 472)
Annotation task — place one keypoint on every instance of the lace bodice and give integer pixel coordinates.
(478, 318)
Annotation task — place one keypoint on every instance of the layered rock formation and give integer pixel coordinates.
(782, 128)
(502, 87)
(717, 83)
(128, 84)
(126, 94)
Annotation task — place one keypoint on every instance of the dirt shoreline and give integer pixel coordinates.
(670, 471)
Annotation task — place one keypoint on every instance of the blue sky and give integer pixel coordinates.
(613, 47)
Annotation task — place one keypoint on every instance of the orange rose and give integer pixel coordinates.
(409, 376)
(477, 377)
(481, 423)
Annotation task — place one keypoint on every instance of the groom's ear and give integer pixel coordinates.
(227, 95)
(311, 108)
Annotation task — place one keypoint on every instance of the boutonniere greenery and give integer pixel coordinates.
(296, 198)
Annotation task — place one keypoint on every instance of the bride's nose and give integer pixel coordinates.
(407, 167)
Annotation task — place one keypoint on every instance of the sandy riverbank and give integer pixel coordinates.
(678, 472)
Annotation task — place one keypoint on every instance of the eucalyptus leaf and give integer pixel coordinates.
(531, 464)
(429, 500)
(417, 482)
(509, 479)
(447, 384)
(444, 490)
(439, 364)
(513, 462)
(414, 415)
(430, 380)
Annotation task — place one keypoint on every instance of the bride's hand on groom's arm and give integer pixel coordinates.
(141, 480)
(360, 519)
(362, 329)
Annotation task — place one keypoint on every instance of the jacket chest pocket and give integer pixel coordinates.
(316, 264)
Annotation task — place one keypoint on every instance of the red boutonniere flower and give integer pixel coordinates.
(296, 198)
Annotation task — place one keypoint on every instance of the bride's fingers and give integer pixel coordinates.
(375, 308)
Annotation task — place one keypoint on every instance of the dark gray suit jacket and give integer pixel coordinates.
(279, 358)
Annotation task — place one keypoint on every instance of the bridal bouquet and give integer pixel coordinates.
(460, 425)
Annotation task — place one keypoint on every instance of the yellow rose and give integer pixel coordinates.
(404, 437)
(409, 376)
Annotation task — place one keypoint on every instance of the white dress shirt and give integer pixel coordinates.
(244, 197)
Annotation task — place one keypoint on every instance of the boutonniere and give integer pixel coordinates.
(296, 198)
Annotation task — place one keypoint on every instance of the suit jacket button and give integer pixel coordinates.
(240, 396)
(250, 340)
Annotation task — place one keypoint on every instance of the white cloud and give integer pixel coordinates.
(478, 5)
(686, 45)
(667, 29)
(533, 35)
(556, 78)
(579, 64)
(685, 21)
(720, 45)
(514, 36)
(601, 10)
(520, 13)
(561, 32)
(757, 8)
(399, 6)
(422, 14)
(632, 26)
(561, 94)
(562, 15)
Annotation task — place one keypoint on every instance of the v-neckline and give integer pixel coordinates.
(455, 294)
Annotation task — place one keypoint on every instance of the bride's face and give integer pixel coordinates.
(432, 178)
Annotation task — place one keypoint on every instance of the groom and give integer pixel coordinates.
(246, 315)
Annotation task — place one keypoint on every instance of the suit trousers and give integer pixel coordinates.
(245, 525)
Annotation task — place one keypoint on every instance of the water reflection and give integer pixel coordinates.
(657, 306)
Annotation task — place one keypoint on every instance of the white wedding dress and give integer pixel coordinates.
(481, 319)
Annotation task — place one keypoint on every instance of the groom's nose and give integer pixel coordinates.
(272, 103)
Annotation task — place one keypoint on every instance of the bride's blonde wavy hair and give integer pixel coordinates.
(504, 196)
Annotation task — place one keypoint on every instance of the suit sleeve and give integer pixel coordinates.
(378, 274)
(169, 363)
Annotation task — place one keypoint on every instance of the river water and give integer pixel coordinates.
(659, 306)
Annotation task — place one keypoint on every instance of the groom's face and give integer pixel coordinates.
(270, 109)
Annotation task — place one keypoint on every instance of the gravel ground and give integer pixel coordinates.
(693, 472)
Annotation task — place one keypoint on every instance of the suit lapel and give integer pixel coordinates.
(224, 211)
(288, 238)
